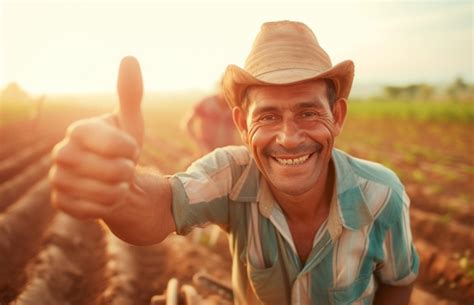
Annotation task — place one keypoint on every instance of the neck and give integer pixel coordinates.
(312, 204)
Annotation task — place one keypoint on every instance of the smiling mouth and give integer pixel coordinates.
(292, 161)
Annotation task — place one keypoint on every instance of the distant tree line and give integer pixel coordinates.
(458, 90)
(16, 103)
(14, 93)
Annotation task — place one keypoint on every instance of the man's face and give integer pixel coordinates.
(290, 131)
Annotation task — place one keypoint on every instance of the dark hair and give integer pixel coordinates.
(331, 92)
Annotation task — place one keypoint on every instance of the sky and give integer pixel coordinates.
(76, 46)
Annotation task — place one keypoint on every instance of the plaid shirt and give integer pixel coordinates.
(366, 236)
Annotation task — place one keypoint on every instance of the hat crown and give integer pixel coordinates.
(284, 45)
(283, 53)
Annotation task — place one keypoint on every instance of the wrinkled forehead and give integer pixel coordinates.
(310, 91)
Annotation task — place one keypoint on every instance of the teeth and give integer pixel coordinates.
(294, 161)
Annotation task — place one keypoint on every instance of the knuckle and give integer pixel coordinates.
(76, 129)
(59, 200)
(57, 176)
(56, 149)
(54, 198)
(121, 190)
(83, 128)
(60, 152)
(63, 179)
(53, 175)
(126, 169)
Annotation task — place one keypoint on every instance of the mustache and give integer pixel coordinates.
(302, 149)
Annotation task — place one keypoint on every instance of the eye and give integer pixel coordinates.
(309, 114)
(267, 117)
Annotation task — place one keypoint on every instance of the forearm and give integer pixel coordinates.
(392, 295)
(145, 216)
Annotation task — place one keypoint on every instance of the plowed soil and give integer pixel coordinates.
(47, 257)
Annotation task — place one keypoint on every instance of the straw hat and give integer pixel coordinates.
(285, 52)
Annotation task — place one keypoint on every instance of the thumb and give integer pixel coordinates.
(130, 92)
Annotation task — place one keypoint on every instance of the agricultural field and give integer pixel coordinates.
(47, 257)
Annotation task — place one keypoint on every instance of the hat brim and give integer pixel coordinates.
(236, 80)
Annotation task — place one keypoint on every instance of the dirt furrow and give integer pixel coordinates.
(137, 273)
(447, 206)
(22, 231)
(71, 268)
(14, 188)
(450, 235)
(18, 162)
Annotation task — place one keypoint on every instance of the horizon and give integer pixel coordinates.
(364, 91)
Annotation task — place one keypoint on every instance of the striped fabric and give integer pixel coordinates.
(365, 237)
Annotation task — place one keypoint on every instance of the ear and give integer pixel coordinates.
(339, 113)
(240, 121)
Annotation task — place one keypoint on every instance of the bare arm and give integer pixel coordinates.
(393, 295)
(145, 217)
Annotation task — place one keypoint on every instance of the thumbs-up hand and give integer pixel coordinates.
(95, 164)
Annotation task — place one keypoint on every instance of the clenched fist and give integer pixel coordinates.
(93, 168)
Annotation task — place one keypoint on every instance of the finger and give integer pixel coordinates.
(104, 139)
(130, 91)
(87, 164)
(87, 189)
(79, 208)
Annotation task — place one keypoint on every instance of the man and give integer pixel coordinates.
(209, 123)
(307, 223)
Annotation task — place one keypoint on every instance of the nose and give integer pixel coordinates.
(289, 135)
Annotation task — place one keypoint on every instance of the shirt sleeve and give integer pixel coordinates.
(401, 261)
(201, 194)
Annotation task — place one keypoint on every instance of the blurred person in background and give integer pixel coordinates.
(209, 123)
(307, 223)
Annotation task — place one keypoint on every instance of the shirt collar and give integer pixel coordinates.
(353, 208)
(350, 210)
(247, 186)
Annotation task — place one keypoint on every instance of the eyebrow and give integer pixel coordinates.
(310, 104)
(264, 109)
(298, 106)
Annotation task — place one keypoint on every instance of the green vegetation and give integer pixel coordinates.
(420, 111)
(465, 263)
(420, 102)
